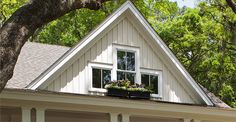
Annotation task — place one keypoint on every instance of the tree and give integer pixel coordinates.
(71, 28)
(232, 4)
(203, 40)
(25, 21)
(8, 7)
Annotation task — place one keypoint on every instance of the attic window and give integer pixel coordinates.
(100, 77)
(126, 66)
(150, 81)
(152, 78)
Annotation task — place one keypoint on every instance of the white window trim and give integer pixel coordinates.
(98, 65)
(157, 73)
(118, 47)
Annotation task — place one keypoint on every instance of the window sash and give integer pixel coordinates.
(101, 77)
(126, 68)
(150, 82)
(132, 80)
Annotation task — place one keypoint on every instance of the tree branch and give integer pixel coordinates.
(232, 5)
(25, 21)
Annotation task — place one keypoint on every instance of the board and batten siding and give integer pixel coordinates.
(75, 78)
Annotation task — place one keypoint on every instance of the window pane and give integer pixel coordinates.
(106, 77)
(120, 76)
(96, 78)
(145, 80)
(121, 60)
(154, 83)
(130, 61)
(130, 77)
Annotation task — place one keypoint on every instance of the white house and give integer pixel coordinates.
(49, 86)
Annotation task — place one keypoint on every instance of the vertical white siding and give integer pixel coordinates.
(104, 49)
(57, 83)
(75, 83)
(120, 33)
(86, 72)
(81, 74)
(109, 46)
(63, 81)
(69, 78)
(75, 78)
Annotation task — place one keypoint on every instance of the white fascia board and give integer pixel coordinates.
(75, 50)
(167, 51)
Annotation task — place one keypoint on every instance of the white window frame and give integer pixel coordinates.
(154, 72)
(97, 65)
(135, 50)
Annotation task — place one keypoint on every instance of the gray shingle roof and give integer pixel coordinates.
(33, 60)
(217, 101)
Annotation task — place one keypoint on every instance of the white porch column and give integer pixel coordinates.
(40, 114)
(114, 117)
(26, 114)
(187, 120)
(125, 117)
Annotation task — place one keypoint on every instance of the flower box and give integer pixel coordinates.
(117, 92)
(139, 94)
(124, 89)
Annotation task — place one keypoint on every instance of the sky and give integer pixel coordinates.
(188, 3)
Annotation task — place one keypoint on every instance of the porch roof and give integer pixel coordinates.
(105, 104)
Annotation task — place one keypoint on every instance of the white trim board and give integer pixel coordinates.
(126, 7)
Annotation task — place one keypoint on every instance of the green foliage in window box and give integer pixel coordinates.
(126, 84)
(120, 84)
(139, 87)
(123, 88)
(118, 88)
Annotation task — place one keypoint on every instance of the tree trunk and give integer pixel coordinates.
(232, 5)
(24, 22)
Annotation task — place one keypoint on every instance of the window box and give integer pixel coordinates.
(139, 94)
(123, 88)
(117, 92)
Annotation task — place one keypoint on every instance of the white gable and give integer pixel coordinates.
(125, 28)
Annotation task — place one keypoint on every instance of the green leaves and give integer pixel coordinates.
(227, 95)
(71, 28)
(201, 38)
(8, 7)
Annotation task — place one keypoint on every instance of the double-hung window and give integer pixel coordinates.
(126, 66)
